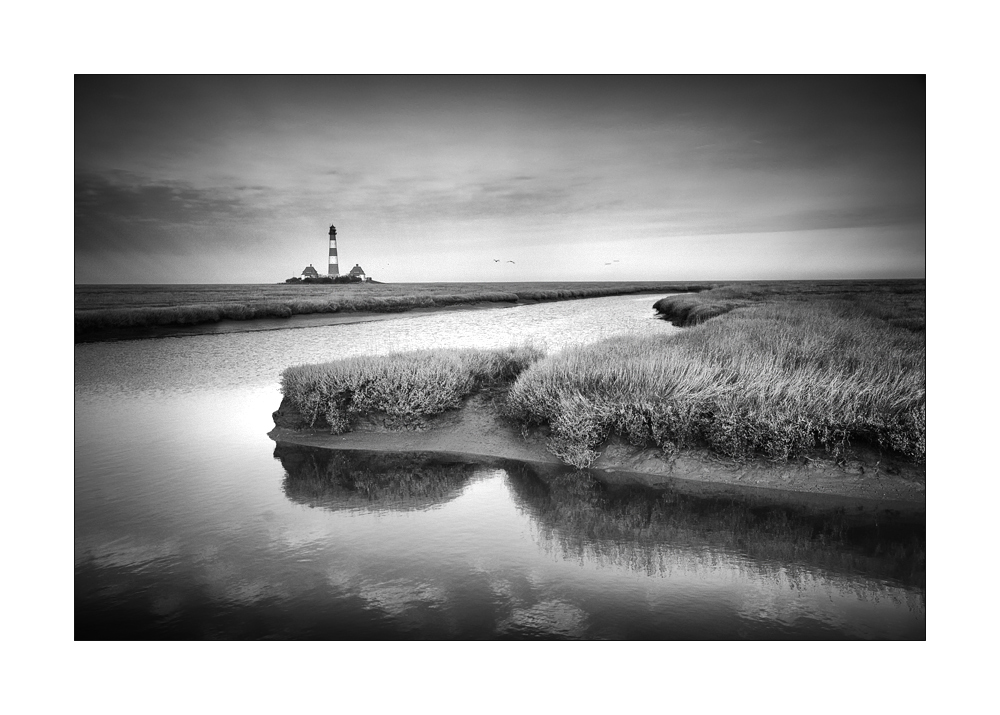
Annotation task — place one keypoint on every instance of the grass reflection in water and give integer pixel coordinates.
(644, 529)
(369, 480)
(652, 531)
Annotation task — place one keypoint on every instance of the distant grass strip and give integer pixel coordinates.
(337, 299)
(769, 374)
(90, 320)
(899, 302)
(405, 387)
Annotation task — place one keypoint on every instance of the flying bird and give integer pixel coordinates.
(496, 260)
(510, 261)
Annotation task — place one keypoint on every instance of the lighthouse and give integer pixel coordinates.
(334, 269)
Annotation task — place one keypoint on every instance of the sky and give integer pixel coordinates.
(236, 179)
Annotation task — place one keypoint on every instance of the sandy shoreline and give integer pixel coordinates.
(869, 481)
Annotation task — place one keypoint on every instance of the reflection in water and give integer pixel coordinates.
(794, 569)
(633, 526)
(629, 525)
(369, 480)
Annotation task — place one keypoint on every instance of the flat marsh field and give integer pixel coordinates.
(116, 311)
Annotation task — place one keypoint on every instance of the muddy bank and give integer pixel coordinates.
(868, 480)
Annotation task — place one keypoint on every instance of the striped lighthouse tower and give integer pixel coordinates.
(334, 269)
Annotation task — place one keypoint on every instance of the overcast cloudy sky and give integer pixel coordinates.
(237, 179)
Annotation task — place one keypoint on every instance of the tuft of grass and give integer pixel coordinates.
(771, 376)
(406, 387)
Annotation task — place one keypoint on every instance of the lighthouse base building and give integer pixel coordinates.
(359, 273)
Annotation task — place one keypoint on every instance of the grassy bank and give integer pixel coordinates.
(773, 374)
(404, 387)
(778, 371)
(900, 301)
(108, 308)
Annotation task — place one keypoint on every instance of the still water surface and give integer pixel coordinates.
(191, 523)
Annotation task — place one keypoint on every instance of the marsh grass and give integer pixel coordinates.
(193, 314)
(777, 370)
(768, 375)
(899, 300)
(102, 308)
(405, 387)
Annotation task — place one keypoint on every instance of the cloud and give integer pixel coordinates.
(482, 200)
(698, 221)
(124, 212)
(220, 168)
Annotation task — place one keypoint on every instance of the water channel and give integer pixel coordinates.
(191, 523)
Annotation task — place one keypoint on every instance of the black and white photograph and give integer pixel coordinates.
(484, 357)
